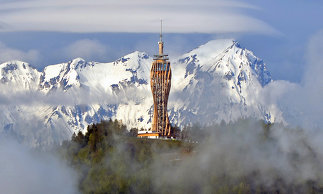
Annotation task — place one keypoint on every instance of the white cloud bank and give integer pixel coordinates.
(206, 16)
(87, 49)
(7, 54)
(302, 103)
(27, 171)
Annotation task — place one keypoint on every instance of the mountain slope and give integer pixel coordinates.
(20, 75)
(219, 82)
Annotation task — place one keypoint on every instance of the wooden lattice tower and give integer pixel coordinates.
(160, 81)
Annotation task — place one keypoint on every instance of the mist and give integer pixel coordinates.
(24, 170)
(71, 97)
(301, 103)
(276, 158)
(246, 156)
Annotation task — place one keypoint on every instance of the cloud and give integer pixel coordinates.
(7, 54)
(2, 25)
(242, 150)
(302, 103)
(26, 171)
(314, 71)
(87, 49)
(127, 16)
(227, 158)
(11, 96)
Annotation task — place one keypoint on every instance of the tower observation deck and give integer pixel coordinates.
(160, 82)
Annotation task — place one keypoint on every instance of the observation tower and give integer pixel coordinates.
(160, 82)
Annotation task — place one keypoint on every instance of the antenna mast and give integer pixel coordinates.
(161, 30)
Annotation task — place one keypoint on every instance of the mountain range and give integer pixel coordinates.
(218, 81)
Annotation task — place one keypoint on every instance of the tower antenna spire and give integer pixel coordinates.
(161, 30)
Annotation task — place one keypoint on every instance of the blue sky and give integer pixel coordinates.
(44, 32)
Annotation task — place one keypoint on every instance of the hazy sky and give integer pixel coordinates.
(44, 32)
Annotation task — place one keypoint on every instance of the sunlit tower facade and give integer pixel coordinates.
(160, 82)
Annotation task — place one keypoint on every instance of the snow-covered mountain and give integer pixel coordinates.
(214, 82)
(19, 75)
(219, 83)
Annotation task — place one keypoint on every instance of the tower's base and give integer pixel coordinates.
(148, 134)
(152, 135)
